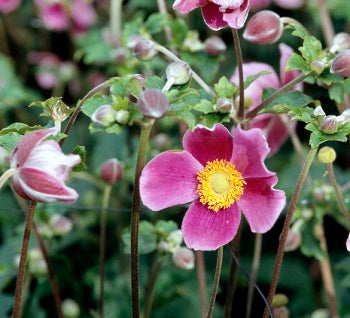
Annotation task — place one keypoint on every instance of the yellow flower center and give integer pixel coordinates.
(220, 184)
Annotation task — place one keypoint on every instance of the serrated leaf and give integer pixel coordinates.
(81, 152)
(55, 108)
(19, 128)
(336, 92)
(94, 102)
(166, 227)
(311, 49)
(10, 140)
(212, 119)
(224, 88)
(299, 30)
(156, 22)
(296, 62)
(177, 95)
(154, 82)
(329, 78)
(205, 106)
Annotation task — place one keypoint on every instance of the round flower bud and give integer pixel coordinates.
(180, 72)
(161, 141)
(153, 103)
(279, 300)
(184, 258)
(60, 224)
(224, 105)
(317, 67)
(264, 27)
(163, 246)
(281, 312)
(122, 117)
(111, 171)
(144, 50)
(329, 125)
(293, 241)
(318, 112)
(340, 42)
(340, 65)
(120, 55)
(214, 45)
(320, 313)
(70, 308)
(104, 115)
(37, 265)
(327, 155)
(133, 40)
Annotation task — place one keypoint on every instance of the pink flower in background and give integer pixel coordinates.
(7, 6)
(222, 175)
(42, 168)
(348, 243)
(54, 16)
(286, 4)
(83, 15)
(217, 14)
(274, 128)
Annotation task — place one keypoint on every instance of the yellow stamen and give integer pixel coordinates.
(220, 184)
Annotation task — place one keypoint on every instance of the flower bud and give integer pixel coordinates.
(180, 72)
(318, 112)
(346, 116)
(122, 117)
(133, 40)
(214, 45)
(340, 65)
(153, 103)
(279, 300)
(293, 240)
(104, 115)
(340, 42)
(111, 171)
(317, 67)
(264, 27)
(60, 224)
(163, 246)
(329, 125)
(37, 265)
(327, 155)
(144, 50)
(120, 55)
(280, 312)
(184, 258)
(224, 105)
(70, 308)
(320, 313)
(161, 141)
(141, 79)
(174, 239)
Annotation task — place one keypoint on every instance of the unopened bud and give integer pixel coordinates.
(120, 55)
(111, 171)
(340, 65)
(122, 117)
(180, 72)
(104, 115)
(317, 67)
(175, 237)
(279, 300)
(264, 27)
(153, 103)
(318, 112)
(214, 45)
(224, 105)
(144, 50)
(329, 125)
(141, 79)
(184, 258)
(320, 313)
(280, 312)
(346, 116)
(37, 265)
(293, 241)
(340, 42)
(70, 308)
(327, 155)
(133, 40)
(163, 246)
(60, 224)
(161, 141)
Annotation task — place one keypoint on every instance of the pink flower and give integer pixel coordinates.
(217, 14)
(348, 243)
(274, 128)
(222, 175)
(83, 14)
(54, 16)
(41, 168)
(7, 6)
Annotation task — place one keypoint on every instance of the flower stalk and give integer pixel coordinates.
(115, 22)
(202, 282)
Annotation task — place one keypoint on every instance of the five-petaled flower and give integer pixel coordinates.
(41, 168)
(217, 14)
(222, 175)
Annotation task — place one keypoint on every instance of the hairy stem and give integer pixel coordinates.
(202, 282)
(280, 251)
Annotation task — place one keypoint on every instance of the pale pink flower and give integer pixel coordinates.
(217, 14)
(54, 16)
(348, 243)
(7, 6)
(83, 14)
(42, 168)
(222, 175)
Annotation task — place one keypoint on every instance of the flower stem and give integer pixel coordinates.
(216, 282)
(115, 22)
(23, 259)
(6, 175)
(103, 223)
(202, 282)
(162, 9)
(237, 44)
(337, 191)
(251, 114)
(150, 289)
(288, 20)
(326, 23)
(280, 251)
(135, 216)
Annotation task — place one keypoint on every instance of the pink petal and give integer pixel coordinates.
(27, 143)
(7, 6)
(207, 230)
(237, 17)
(54, 17)
(185, 6)
(213, 17)
(39, 186)
(290, 4)
(286, 77)
(83, 14)
(259, 4)
(261, 204)
(209, 144)
(348, 243)
(169, 179)
(249, 152)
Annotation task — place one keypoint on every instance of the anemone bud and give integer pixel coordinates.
(184, 258)
(329, 125)
(144, 50)
(111, 171)
(179, 71)
(104, 115)
(214, 45)
(153, 103)
(340, 65)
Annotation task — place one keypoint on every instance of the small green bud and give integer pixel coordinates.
(180, 72)
(317, 67)
(70, 308)
(224, 105)
(327, 155)
(279, 300)
(122, 117)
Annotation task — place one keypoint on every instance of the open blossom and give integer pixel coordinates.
(217, 14)
(7, 6)
(41, 168)
(272, 125)
(222, 175)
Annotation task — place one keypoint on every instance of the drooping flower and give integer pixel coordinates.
(41, 168)
(222, 175)
(274, 128)
(217, 14)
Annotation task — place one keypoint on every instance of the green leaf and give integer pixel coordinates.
(177, 95)
(113, 129)
(205, 106)
(212, 119)
(19, 128)
(224, 88)
(179, 30)
(165, 227)
(188, 118)
(310, 245)
(329, 78)
(80, 151)
(94, 102)
(296, 62)
(251, 78)
(311, 49)
(156, 22)
(154, 82)
(347, 85)
(10, 140)
(299, 30)
(336, 92)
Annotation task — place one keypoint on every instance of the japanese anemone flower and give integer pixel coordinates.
(217, 14)
(222, 175)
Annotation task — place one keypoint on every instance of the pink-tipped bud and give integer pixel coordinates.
(161, 141)
(341, 41)
(180, 72)
(153, 103)
(329, 125)
(264, 27)
(144, 50)
(224, 105)
(214, 45)
(293, 240)
(317, 67)
(104, 115)
(111, 171)
(340, 65)
(184, 258)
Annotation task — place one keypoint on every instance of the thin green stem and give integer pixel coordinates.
(103, 224)
(150, 287)
(116, 22)
(237, 44)
(280, 251)
(23, 260)
(202, 282)
(135, 216)
(251, 114)
(216, 282)
(162, 9)
(326, 22)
